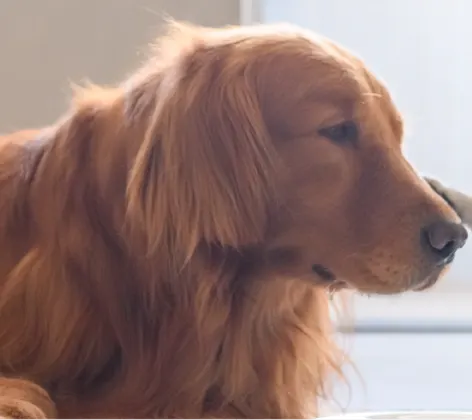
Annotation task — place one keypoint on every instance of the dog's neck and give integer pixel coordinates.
(211, 349)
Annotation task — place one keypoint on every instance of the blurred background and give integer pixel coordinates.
(411, 352)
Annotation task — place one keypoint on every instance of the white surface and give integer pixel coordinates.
(394, 372)
(434, 307)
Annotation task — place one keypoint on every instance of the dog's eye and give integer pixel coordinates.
(341, 133)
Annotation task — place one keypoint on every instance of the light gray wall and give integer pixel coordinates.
(46, 44)
(422, 49)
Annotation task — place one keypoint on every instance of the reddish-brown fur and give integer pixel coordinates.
(157, 241)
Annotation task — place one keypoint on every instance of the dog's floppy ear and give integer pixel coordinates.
(206, 166)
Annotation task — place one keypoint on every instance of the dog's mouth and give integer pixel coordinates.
(328, 278)
(427, 283)
(324, 273)
(333, 284)
(449, 260)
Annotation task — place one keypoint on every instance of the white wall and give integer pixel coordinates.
(422, 49)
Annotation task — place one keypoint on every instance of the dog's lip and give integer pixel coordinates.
(427, 282)
(448, 260)
(329, 279)
(324, 273)
(335, 284)
(339, 285)
(424, 285)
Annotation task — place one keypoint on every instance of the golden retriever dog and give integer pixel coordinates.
(169, 245)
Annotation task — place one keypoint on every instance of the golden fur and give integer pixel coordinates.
(158, 240)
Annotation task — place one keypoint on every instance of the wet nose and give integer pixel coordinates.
(443, 239)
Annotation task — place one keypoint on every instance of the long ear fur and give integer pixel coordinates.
(206, 165)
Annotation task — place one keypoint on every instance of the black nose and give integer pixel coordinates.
(443, 239)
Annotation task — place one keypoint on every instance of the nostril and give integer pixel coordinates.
(445, 238)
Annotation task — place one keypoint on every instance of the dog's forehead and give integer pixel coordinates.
(303, 70)
(311, 74)
(315, 63)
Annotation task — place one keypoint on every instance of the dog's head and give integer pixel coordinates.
(282, 146)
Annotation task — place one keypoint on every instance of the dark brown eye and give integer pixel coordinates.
(345, 132)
